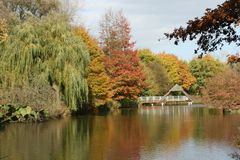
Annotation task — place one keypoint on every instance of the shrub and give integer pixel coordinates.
(223, 90)
(10, 113)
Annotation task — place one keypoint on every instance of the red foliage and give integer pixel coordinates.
(126, 77)
(115, 33)
(121, 62)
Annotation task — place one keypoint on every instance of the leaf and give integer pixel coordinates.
(5, 108)
(1, 115)
(28, 110)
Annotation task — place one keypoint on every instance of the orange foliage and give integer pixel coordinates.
(121, 62)
(126, 75)
(98, 80)
(233, 58)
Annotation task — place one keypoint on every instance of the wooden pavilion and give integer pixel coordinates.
(178, 88)
(168, 98)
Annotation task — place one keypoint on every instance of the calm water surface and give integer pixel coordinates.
(170, 133)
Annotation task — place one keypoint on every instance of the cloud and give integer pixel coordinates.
(150, 19)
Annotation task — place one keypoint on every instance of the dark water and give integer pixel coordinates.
(170, 133)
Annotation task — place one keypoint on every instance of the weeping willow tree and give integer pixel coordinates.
(46, 50)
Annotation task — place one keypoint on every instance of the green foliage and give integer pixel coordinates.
(160, 78)
(126, 103)
(10, 113)
(46, 49)
(202, 69)
(146, 56)
(157, 79)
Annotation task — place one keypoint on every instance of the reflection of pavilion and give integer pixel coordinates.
(171, 97)
(166, 110)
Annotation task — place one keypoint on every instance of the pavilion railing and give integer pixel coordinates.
(156, 99)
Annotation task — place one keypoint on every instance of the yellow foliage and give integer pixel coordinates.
(178, 71)
(98, 80)
(3, 30)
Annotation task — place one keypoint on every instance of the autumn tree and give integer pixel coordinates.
(115, 33)
(222, 90)
(234, 61)
(146, 55)
(98, 80)
(126, 75)
(202, 69)
(157, 80)
(178, 71)
(122, 63)
(216, 28)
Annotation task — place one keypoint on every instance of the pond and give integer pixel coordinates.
(164, 133)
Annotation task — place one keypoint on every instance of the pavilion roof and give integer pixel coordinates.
(178, 88)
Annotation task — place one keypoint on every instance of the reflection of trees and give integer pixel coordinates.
(75, 140)
(122, 136)
(117, 137)
(129, 136)
(101, 130)
(168, 126)
(58, 140)
(212, 125)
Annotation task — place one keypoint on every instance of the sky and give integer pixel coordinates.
(150, 19)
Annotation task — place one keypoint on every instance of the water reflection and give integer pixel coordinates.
(148, 133)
